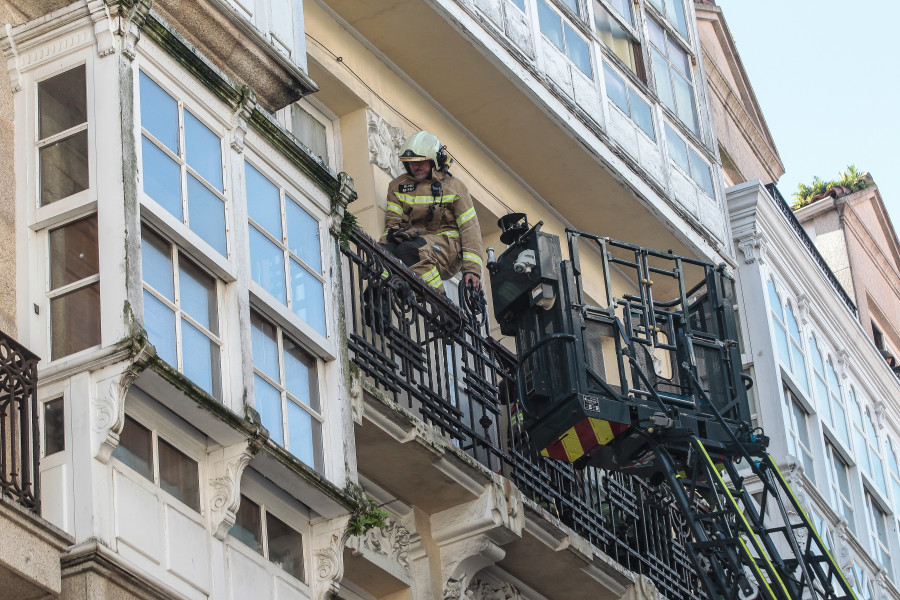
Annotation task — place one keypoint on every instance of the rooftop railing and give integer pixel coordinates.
(20, 451)
(436, 359)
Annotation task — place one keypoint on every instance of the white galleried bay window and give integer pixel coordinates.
(271, 537)
(148, 453)
(182, 164)
(181, 312)
(684, 155)
(285, 249)
(615, 28)
(673, 11)
(829, 398)
(629, 101)
(285, 387)
(672, 70)
(839, 483)
(787, 337)
(564, 37)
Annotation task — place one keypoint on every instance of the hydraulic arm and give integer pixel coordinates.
(638, 371)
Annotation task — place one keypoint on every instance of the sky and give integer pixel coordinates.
(827, 77)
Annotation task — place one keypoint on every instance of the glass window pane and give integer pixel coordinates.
(775, 300)
(267, 265)
(54, 427)
(265, 346)
(206, 214)
(198, 294)
(799, 368)
(159, 321)
(73, 252)
(300, 374)
(203, 150)
(179, 475)
(640, 112)
(551, 23)
(162, 178)
(156, 263)
(64, 168)
(520, 4)
(572, 4)
(300, 428)
(307, 297)
(75, 321)
(285, 546)
(310, 131)
(684, 97)
(615, 89)
(614, 35)
(62, 102)
(200, 358)
(678, 150)
(268, 405)
(675, 15)
(701, 173)
(577, 51)
(263, 202)
(657, 37)
(663, 82)
(159, 113)
(303, 235)
(247, 526)
(679, 59)
(623, 7)
(135, 448)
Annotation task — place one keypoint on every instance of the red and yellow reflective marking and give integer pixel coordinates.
(586, 435)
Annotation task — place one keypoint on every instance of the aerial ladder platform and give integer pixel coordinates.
(639, 371)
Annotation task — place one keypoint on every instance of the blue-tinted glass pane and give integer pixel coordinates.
(198, 295)
(684, 97)
(663, 81)
(793, 328)
(162, 178)
(520, 4)
(840, 422)
(657, 37)
(203, 150)
(677, 149)
(675, 15)
(816, 356)
(577, 51)
(159, 321)
(822, 400)
(640, 112)
(303, 235)
(268, 405)
(265, 346)
(781, 339)
(700, 172)
(206, 215)
(156, 264)
(572, 4)
(800, 369)
(300, 430)
(299, 374)
(159, 113)
(775, 301)
(615, 89)
(551, 23)
(263, 203)
(623, 7)
(267, 265)
(307, 297)
(200, 358)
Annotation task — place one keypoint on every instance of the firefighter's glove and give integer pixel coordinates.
(402, 234)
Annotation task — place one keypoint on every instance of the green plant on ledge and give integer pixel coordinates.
(367, 516)
(347, 225)
(851, 178)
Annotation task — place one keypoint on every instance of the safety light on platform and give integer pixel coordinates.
(543, 296)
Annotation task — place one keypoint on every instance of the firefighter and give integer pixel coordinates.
(430, 223)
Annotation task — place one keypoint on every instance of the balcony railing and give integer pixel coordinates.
(19, 454)
(436, 359)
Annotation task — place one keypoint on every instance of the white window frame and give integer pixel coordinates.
(841, 504)
(793, 430)
(795, 349)
(673, 37)
(892, 448)
(328, 119)
(175, 252)
(879, 546)
(670, 131)
(565, 20)
(630, 91)
(163, 70)
(634, 30)
(833, 396)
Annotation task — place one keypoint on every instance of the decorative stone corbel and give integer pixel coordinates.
(330, 567)
(343, 196)
(843, 363)
(391, 541)
(486, 590)
(384, 144)
(130, 24)
(15, 75)
(108, 405)
(752, 246)
(227, 465)
(803, 308)
(241, 116)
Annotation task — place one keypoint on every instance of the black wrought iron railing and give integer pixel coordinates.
(20, 450)
(794, 223)
(436, 359)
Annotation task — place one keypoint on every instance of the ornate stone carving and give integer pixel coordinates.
(392, 541)
(384, 144)
(344, 195)
(240, 118)
(752, 247)
(484, 590)
(108, 406)
(227, 469)
(455, 589)
(803, 308)
(330, 565)
(15, 75)
(130, 27)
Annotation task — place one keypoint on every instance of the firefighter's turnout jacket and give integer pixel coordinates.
(440, 210)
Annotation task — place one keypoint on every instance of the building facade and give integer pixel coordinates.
(217, 403)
